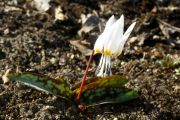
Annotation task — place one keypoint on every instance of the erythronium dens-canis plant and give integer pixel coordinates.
(95, 90)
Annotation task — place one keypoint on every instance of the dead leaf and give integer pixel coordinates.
(82, 47)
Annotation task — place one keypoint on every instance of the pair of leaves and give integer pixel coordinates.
(96, 90)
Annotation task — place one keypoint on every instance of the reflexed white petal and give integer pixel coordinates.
(125, 37)
(118, 28)
(102, 41)
(117, 32)
(104, 37)
(110, 22)
(128, 31)
(99, 43)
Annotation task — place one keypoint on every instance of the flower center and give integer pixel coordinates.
(107, 52)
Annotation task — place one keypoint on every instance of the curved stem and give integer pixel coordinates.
(84, 77)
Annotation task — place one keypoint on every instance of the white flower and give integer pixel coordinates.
(111, 42)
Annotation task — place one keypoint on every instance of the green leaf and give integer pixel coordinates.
(105, 90)
(106, 95)
(98, 82)
(55, 86)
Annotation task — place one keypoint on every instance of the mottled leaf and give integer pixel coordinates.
(106, 95)
(55, 86)
(115, 81)
(96, 91)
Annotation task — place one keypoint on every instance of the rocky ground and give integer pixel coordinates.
(55, 40)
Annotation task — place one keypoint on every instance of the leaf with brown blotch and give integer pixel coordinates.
(114, 81)
(54, 86)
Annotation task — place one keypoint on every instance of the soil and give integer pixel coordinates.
(37, 41)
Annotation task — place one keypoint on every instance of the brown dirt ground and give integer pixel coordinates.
(31, 40)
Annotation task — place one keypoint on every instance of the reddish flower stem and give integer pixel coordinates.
(84, 77)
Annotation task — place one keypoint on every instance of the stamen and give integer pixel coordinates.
(99, 66)
(104, 67)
